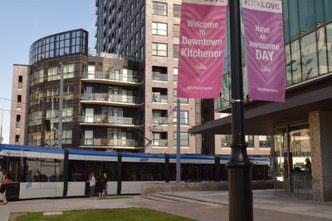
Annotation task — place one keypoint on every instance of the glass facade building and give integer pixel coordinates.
(65, 43)
(308, 45)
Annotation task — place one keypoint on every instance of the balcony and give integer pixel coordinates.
(156, 98)
(111, 78)
(159, 120)
(156, 76)
(101, 120)
(110, 143)
(160, 143)
(103, 98)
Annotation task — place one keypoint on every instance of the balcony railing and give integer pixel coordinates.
(109, 98)
(109, 142)
(111, 76)
(99, 119)
(159, 77)
(159, 120)
(160, 143)
(123, 142)
(159, 98)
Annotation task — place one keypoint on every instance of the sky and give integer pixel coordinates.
(24, 21)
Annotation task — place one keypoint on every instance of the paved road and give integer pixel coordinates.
(198, 205)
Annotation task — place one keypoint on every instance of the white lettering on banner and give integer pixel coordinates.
(264, 55)
(201, 42)
(194, 53)
(201, 24)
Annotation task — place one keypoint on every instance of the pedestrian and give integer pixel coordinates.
(100, 186)
(105, 180)
(4, 184)
(92, 184)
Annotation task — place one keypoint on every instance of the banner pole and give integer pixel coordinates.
(239, 166)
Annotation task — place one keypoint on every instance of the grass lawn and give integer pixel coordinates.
(135, 214)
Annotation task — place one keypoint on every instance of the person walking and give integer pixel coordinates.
(105, 180)
(4, 184)
(92, 184)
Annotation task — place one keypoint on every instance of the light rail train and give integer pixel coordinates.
(40, 172)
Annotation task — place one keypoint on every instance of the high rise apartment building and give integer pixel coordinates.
(19, 103)
(148, 32)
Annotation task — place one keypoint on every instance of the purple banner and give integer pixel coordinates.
(201, 49)
(265, 58)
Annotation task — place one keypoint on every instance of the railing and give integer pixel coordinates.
(123, 143)
(159, 98)
(109, 98)
(159, 120)
(122, 98)
(160, 143)
(159, 77)
(111, 76)
(108, 142)
(111, 120)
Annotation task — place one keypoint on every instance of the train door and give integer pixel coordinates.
(12, 165)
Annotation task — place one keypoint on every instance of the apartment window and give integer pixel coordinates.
(142, 32)
(18, 121)
(184, 117)
(159, 49)
(175, 74)
(68, 71)
(20, 82)
(17, 139)
(53, 74)
(159, 73)
(176, 11)
(67, 136)
(142, 52)
(175, 51)
(37, 77)
(67, 114)
(176, 30)
(19, 101)
(52, 115)
(159, 28)
(184, 139)
(159, 8)
(159, 139)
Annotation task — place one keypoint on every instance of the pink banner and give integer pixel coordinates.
(201, 49)
(265, 58)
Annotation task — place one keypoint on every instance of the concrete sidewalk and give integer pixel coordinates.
(198, 205)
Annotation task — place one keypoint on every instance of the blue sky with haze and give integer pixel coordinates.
(24, 21)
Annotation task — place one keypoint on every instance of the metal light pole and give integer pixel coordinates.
(59, 131)
(239, 166)
(178, 142)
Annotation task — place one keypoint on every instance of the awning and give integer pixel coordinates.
(262, 117)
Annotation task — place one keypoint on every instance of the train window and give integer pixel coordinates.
(43, 170)
(142, 172)
(208, 172)
(110, 170)
(76, 171)
(190, 172)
